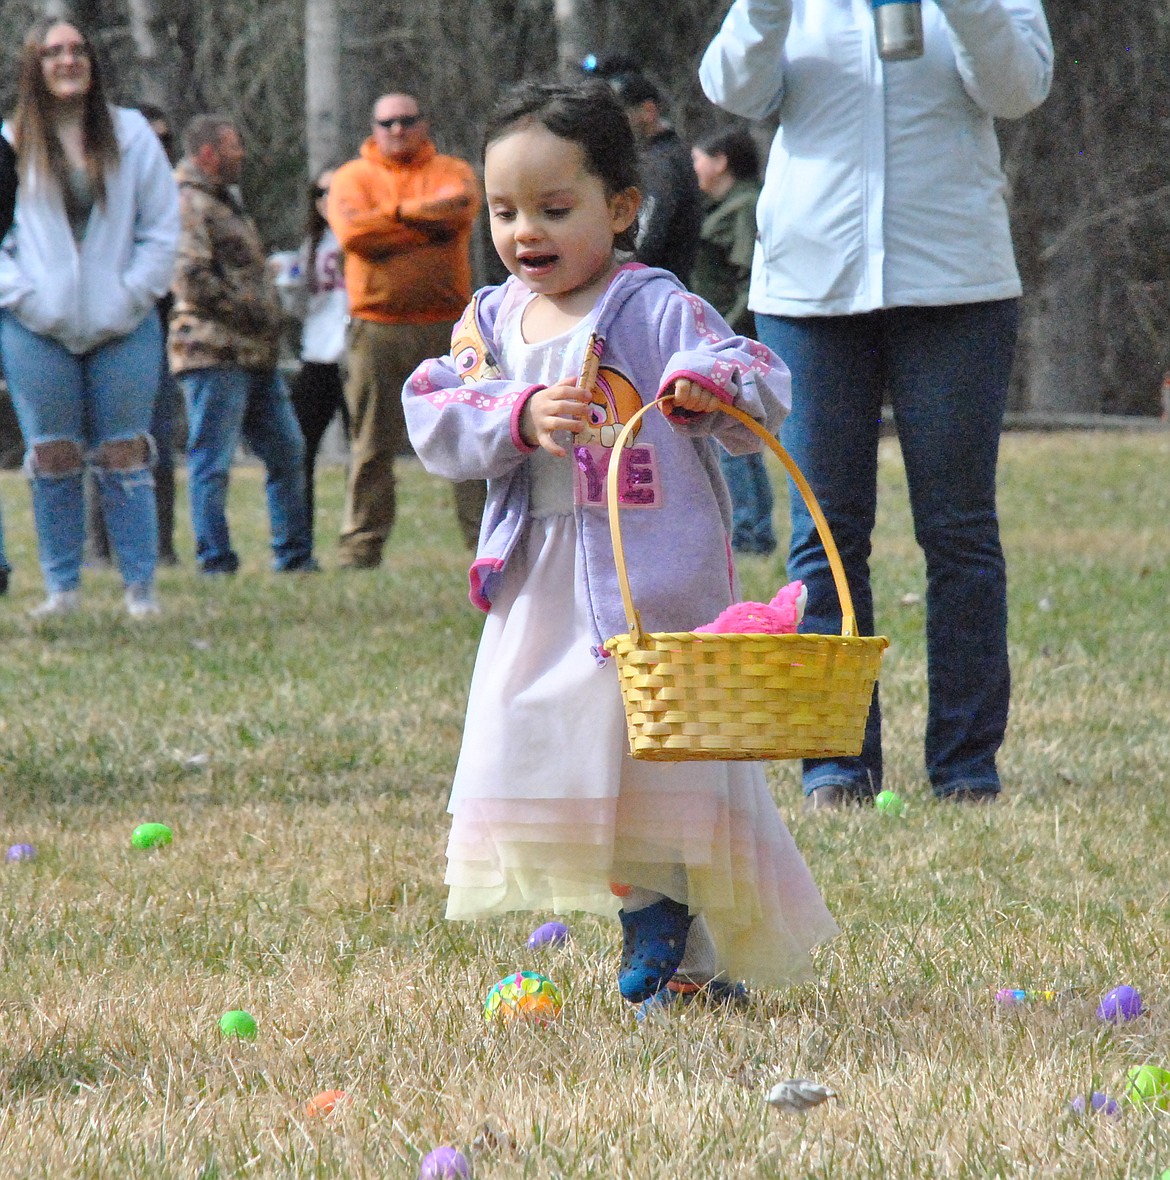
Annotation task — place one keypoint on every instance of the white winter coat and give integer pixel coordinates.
(84, 296)
(884, 186)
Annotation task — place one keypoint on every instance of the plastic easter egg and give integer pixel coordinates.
(1149, 1083)
(238, 1023)
(550, 934)
(1009, 997)
(17, 852)
(889, 802)
(1098, 1103)
(325, 1103)
(442, 1163)
(151, 836)
(1122, 1003)
(526, 994)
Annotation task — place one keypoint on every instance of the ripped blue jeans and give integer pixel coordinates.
(103, 397)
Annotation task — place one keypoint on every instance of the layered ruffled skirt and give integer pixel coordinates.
(548, 807)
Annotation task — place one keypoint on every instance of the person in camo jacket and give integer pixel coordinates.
(223, 348)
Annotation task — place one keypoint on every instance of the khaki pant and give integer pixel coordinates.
(381, 357)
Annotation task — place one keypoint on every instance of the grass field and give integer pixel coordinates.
(299, 733)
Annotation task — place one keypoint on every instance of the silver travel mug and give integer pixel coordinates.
(899, 29)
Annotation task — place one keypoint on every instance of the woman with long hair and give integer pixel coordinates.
(318, 284)
(91, 250)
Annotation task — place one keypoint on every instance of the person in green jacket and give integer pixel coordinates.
(728, 165)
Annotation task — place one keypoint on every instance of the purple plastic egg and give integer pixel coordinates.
(444, 1162)
(550, 934)
(1122, 1003)
(1098, 1104)
(1009, 997)
(20, 852)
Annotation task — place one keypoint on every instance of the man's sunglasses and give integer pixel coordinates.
(406, 122)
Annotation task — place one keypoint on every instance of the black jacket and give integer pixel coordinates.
(7, 185)
(672, 210)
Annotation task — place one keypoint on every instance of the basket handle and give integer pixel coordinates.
(848, 618)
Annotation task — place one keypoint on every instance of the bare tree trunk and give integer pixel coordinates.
(322, 84)
(580, 30)
(1060, 336)
(163, 79)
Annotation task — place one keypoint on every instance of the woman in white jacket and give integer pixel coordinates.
(884, 269)
(90, 253)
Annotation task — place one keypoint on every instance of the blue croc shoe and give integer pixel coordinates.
(654, 940)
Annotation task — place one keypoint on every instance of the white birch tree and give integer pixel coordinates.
(163, 73)
(323, 142)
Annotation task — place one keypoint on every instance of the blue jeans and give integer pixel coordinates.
(223, 405)
(946, 371)
(102, 397)
(751, 502)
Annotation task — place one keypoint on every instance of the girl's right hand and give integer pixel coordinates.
(556, 407)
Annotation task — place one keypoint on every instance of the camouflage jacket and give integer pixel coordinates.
(227, 311)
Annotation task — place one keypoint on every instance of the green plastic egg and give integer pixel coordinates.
(890, 802)
(151, 836)
(238, 1023)
(1149, 1083)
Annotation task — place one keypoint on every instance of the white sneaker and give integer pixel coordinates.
(59, 602)
(141, 602)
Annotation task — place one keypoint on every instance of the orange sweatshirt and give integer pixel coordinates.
(406, 232)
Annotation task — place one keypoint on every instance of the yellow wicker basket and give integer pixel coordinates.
(691, 696)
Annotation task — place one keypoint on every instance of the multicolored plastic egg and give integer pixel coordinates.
(151, 836)
(1122, 1003)
(20, 852)
(550, 934)
(1011, 997)
(238, 1023)
(526, 994)
(443, 1163)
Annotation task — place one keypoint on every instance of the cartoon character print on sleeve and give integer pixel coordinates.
(469, 350)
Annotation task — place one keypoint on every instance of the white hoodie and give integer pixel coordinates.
(82, 296)
(884, 186)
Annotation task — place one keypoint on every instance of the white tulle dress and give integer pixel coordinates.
(547, 805)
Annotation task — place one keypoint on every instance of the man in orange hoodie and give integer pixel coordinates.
(403, 214)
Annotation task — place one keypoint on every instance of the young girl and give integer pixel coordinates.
(727, 166)
(549, 809)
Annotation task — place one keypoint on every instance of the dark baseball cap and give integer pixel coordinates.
(633, 88)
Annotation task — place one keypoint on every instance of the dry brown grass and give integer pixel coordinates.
(304, 884)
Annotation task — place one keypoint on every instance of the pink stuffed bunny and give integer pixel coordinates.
(781, 616)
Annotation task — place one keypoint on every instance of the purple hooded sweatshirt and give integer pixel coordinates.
(463, 418)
